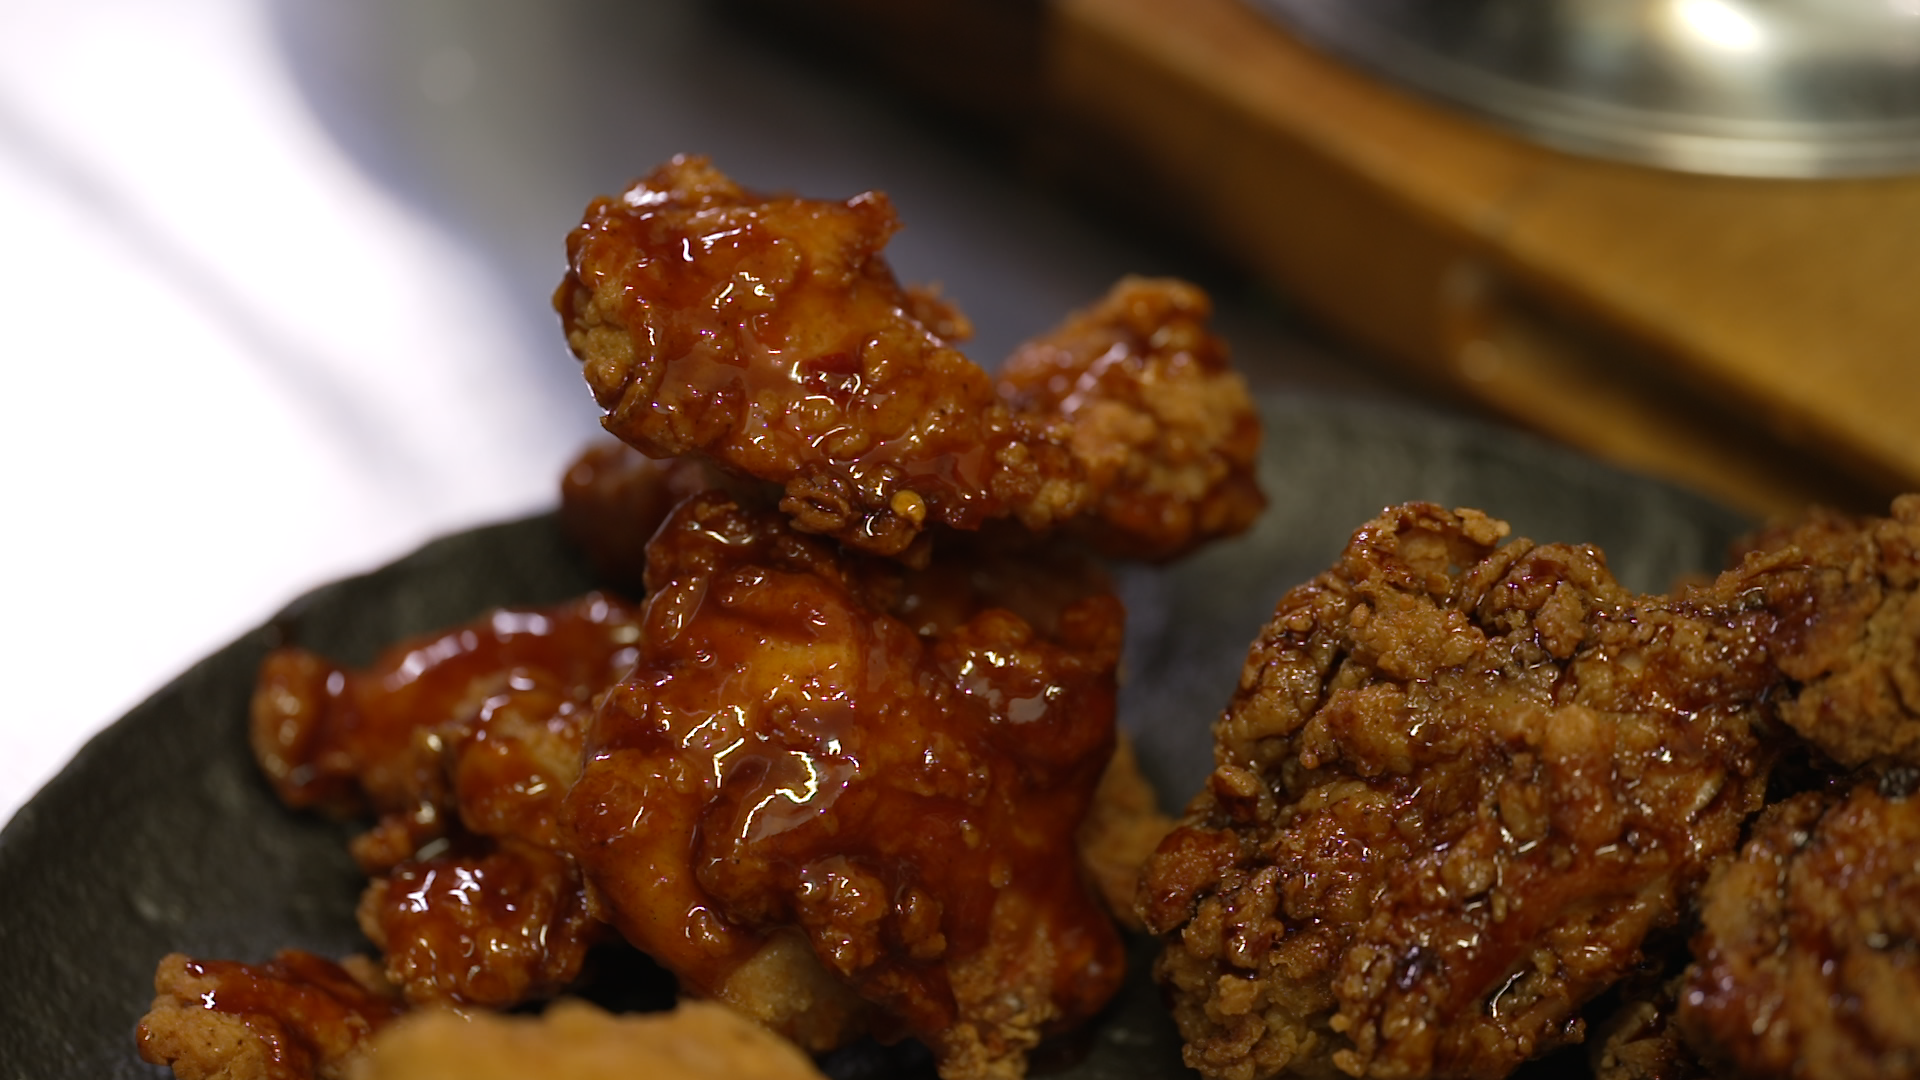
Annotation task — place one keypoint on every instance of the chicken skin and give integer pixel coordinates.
(768, 334)
(1808, 959)
(862, 778)
(1458, 786)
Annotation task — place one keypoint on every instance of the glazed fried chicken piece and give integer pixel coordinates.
(768, 334)
(1457, 787)
(1852, 639)
(828, 763)
(463, 743)
(1808, 959)
(295, 1017)
(612, 498)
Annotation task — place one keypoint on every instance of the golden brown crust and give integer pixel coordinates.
(575, 1041)
(881, 758)
(768, 334)
(1808, 959)
(1458, 786)
(1852, 640)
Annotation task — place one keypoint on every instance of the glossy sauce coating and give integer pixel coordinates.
(348, 741)
(496, 926)
(768, 334)
(464, 742)
(1459, 785)
(287, 1019)
(884, 760)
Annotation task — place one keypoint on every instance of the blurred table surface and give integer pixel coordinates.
(274, 305)
(1749, 338)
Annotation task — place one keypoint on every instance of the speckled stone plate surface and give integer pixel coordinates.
(161, 836)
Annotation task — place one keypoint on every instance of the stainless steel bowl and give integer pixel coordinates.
(1785, 88)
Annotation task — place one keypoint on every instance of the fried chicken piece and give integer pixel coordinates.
(1122, 829)
(1852, 640)
(349, 741)
(612, 498)
(1163, 431)
(768, 334)
(1457, 787)
(1640, 1040)
(497, 926)
(575, 1041)
(882, 765)
(293, 1018)
(464, 743)
(1809, 951)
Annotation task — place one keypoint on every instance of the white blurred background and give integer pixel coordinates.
(274, 281)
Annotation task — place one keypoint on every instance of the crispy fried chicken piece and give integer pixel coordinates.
(1162, 429)
(573, 1040)
(1458, 786)
(882, 765)
(293, 1018)
(1641, 1041)
(1809, 952)
(464, 743)
(1852, 640)
(768, 334)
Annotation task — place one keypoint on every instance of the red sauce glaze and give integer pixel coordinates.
(790, 752)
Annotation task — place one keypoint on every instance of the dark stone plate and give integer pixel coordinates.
(160, 835)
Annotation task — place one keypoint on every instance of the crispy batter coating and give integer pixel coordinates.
(573, 1040)
(882, 759)
(1853, 639)
(463, 742)
(1458, 786)
(1163, 431)
(1808, 960)
(768, 334)
(293, 1018)
(1641, 1041)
